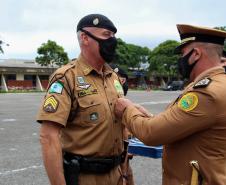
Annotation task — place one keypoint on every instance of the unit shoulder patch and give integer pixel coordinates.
(188, 102)
(56, 87)
(50, 104)
(118, 87)
(202, 83)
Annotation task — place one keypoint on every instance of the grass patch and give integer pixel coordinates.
(21, 91)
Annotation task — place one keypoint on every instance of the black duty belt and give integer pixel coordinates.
(95, 165)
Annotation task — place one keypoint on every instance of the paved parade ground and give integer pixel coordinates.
(20, 156)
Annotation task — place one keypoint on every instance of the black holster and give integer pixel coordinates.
(71, 171)
(75, 164)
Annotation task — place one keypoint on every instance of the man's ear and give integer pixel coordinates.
(196, 55)
(122, 80)
(84, 39)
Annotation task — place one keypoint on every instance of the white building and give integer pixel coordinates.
(23, 74)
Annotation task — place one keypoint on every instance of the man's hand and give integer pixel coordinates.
(120, 106)
(143, 110)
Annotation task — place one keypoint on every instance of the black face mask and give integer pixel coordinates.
(224, 68)
(125, 87)
(107, 47)
(184, 67)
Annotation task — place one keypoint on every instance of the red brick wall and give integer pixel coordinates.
(19, 84)
(44, 83)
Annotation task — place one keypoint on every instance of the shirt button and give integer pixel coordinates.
(111, 104)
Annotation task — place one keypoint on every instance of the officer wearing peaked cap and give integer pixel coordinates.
(193, 127)
(82, 141)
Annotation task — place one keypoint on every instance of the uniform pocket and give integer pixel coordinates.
(91, 110)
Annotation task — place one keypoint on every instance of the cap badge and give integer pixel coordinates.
(96, 21)
(187, 39)
(116, 70)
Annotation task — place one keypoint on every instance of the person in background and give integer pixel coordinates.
(123, 77)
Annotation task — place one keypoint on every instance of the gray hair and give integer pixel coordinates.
(212, 50)
(79, 37)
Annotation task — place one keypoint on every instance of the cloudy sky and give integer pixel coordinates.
(26, 24)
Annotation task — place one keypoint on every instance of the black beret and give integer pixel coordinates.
(96, 20)
(119, 70)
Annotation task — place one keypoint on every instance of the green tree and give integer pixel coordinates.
(223, 28)
(163, 60)
(50, 53)
(130, 55)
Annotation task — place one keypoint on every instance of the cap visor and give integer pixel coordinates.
(179, 48)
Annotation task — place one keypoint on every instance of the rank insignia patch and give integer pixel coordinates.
(188, 102)
(202, 83)
(93, 116)
(56, 87)
(51, 104)
(118, 87)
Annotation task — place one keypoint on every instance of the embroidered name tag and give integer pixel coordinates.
(86, 92)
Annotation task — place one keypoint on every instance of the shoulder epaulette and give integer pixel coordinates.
(60, 72)
(65, 68)
(202, 83)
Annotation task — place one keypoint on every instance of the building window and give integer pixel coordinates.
(10, 77)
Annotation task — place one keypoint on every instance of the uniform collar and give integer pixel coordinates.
(87, 69)
(209, 73)
(107, 69)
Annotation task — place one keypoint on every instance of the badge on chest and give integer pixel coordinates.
(84, 88)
